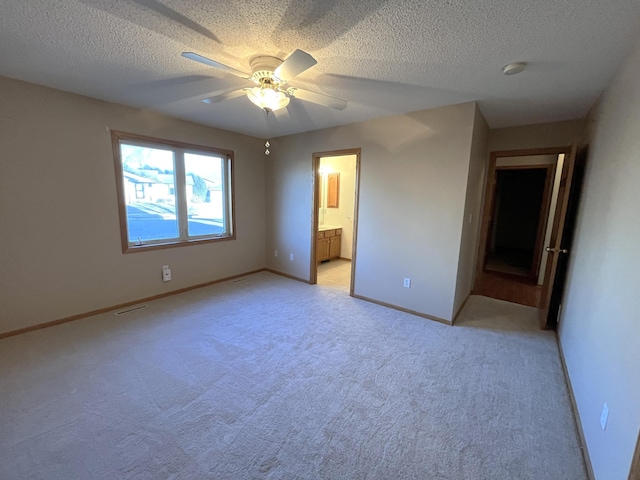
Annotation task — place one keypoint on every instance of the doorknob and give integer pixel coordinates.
(556, 250)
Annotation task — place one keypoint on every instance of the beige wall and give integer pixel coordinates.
(59, 230)
(478, 165)
(556, 134)
(413, 182)
(599, 326)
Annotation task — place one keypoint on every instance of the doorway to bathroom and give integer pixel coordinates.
(335, 207)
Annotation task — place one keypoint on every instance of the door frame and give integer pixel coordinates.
(555, 242)
(315, 205)
(558, 223)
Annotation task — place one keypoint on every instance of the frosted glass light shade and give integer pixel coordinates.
(268, 98)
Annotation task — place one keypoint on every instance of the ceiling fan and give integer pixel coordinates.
(270, 74)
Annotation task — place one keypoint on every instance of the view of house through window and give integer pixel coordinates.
(204, 196)
(172, 193)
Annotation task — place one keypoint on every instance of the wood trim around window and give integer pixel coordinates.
(116, 138)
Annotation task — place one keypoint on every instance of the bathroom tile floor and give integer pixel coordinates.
(335, 273)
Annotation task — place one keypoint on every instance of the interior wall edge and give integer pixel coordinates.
(459, 311)
(286, 275)
(405, 310)
(471, 220)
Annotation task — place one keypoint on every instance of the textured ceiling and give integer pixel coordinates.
(382, 56)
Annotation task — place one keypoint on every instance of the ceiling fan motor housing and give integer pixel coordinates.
(262, 68)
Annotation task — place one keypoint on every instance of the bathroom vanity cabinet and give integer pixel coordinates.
(328, 243)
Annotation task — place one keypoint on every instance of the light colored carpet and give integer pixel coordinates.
(269, 378)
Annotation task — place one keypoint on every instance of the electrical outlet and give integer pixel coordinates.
(604, 416)
(275, 253)
(291, 257)
(166, 273)
(407, 283)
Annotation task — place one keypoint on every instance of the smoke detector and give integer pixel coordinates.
(513, 68)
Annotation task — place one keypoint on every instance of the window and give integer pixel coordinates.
(171, 193)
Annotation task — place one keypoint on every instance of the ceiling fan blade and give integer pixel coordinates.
(214, 64)
(318, 98)
(294, 65)
(282, 113)
(225, 96)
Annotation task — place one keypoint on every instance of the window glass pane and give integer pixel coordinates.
(206, 207)
(149, 187)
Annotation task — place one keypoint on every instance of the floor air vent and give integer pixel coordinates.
(132, 309)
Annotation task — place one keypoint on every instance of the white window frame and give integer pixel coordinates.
(179, 149)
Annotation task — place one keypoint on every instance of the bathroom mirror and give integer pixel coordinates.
(328, 191)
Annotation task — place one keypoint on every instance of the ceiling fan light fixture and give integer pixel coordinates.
(267, 97)
(271, 74)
